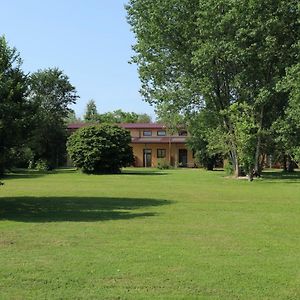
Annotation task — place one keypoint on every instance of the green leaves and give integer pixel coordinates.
(215, 53)
(100, 149)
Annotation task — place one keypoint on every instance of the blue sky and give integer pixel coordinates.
(90, 40)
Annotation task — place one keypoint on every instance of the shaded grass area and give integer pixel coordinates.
(280, 175)
(83, 209)
(188, 234)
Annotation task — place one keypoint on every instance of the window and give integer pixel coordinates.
(147, 133)
(182, 133)
(161, 133)
(161, 153)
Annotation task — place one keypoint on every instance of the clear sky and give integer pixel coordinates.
(89, 40)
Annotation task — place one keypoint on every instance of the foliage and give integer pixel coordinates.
(119, 116)
(100, 149)
(228, 168)
(15, 110)
(163, 164)
(287, 127)
(206, 147)
(42, 165)
(91, 114)
(52, 93)
(197, 54)
(243, 134)
(72, 118)
(170, 117)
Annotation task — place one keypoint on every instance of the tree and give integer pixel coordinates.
(15, 109)
(120, 116)
(52, 93)
(287, 127)
(143, 118)
(72, 118)
(215, 53)
(200, 126)
(100, 149)
(91, 114)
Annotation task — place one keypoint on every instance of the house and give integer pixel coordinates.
(151, 143)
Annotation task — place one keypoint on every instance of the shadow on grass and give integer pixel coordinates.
(142, 172)
(24, 175)
(32, 174)
(74, 209)
(291, 177)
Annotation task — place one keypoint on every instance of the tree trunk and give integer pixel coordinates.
(284, 163)
(235, 164)
(290, 165)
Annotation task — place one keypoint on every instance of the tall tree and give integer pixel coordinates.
(195, 54)
(15, 110)
(91, 113)
(52, 93)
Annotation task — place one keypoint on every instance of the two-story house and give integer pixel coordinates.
(152, 142)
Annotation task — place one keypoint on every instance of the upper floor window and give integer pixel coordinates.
(182, 133)
(161, 133)
(147, 133)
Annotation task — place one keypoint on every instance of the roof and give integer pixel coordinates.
(142, 125)
(124, 125)
(77, 125)
(159, 140)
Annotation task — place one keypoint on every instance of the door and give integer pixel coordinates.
(147, 158)
(182, 157)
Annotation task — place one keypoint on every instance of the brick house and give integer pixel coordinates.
(151, 143)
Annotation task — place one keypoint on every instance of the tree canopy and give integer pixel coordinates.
(100, 149)
(52, 93)
(210, 54)
(15, 116)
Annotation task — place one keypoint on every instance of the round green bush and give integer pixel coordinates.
(100, 149)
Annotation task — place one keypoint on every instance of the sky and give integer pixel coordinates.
(89, 40)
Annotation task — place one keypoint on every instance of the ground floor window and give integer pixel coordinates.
(161, 153)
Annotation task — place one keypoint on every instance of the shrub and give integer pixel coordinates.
(100, 149)
(42, 165)
(228, 168)
(163, 164)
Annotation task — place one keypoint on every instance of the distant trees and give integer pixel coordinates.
(16, 112)
(52, 93)
(91, 114)
(226, 57)
(33, 112)
(117, 116)
(100, 149)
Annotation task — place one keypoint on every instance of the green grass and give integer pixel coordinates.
(148, 234)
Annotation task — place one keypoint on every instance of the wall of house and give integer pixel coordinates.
(138, 152)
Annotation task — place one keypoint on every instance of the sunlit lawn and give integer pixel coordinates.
(148, 234)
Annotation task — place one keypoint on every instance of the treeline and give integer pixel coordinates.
(118, 116)
(35, 111)
(33, 108)
(230, 68)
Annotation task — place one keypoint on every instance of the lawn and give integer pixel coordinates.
(149, 234)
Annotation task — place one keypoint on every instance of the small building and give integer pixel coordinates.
(152, 142)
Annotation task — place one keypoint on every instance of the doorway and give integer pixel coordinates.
(147, 158)
(183, 157)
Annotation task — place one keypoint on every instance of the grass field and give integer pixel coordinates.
(148, 234)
